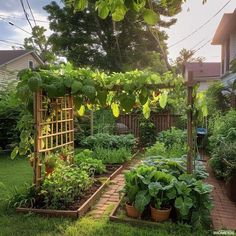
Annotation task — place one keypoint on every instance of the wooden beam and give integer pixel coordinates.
(190, 85)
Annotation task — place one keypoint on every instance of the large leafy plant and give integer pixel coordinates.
(110, 141)
(85, 161)
(65, 185)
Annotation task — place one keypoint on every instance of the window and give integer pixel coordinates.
(31, 64)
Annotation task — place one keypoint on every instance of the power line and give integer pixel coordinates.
(26, 14)
(202, 46)
(21, 18)
(200, 27)
(31, 12)
(13, 24)
(9, 41)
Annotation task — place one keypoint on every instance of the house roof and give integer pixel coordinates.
(7, 56)
(204, 69)
(227, 25)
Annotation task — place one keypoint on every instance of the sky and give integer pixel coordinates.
(193, 15)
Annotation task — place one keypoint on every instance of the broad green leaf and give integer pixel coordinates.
(127, 102)
(142, 199)
(115, 109)
(163, 99)
(80, 5)
(76, 87)
(14, 152)
(81, 111)
(202, 188)
(146, 110)
(183, 204)
(103, 10)
(102, 97)
(138, 5)
(119, 13)
(150, 17)
(154, 188)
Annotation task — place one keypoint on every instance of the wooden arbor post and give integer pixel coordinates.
(190, 84)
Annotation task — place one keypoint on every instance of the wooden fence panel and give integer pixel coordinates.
(162, 121)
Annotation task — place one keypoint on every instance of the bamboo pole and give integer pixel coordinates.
(190, 85)
(37, 164)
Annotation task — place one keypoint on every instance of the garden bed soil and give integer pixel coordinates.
(119, 215)
(80, 207)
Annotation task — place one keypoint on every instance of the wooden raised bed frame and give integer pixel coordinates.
(132, 221)
(82, 210)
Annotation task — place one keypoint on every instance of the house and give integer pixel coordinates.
(205, 73)
(225, 36)
(13, 61)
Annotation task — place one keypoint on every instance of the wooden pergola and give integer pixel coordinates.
(54, 125)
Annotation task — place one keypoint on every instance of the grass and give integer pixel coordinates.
(16, 173)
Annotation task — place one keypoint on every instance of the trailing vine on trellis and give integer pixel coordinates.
(94, 89)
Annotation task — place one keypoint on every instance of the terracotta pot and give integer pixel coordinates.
(160, 215)
(132, 211)
(49, 170)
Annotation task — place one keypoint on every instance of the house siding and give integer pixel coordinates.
(233, 45)
(8, 73)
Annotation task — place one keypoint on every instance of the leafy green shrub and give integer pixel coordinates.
(172, 136)
(225, 152)
(222, 128)
(147, 132)
(10, 113)
(110, 141)
(156, 149)
(65, 185)
(146, 185)
(85, 161)
(176, 166)
(170, 143)
(112, 156)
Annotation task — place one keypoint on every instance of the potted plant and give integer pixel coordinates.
(50, 162)
(162, 196)
(136, 192)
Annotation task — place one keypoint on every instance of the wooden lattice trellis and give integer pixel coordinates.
(54, 125)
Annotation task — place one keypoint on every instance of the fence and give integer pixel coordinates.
(162, 121)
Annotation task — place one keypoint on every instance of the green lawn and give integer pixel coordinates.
(18, 172)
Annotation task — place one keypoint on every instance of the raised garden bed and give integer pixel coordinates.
(79, 208)
(119, 215)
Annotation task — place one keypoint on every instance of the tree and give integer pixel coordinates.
(184, 57)
(118, 9)
(86, 39)
(40, 44)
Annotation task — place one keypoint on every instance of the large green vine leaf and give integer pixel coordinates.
(183, 204)
(115, 109)
(142, 199)
(146, 110)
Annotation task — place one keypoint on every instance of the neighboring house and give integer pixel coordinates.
(13, 61)
(225, 36)
(205, 73)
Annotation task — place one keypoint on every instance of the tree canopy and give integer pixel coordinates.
(86, 39)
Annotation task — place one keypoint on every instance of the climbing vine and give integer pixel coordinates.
(92, 89)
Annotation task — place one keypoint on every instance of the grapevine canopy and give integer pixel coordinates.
(94, 89)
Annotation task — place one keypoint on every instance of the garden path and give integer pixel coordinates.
(224, 212)
(111, 194)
